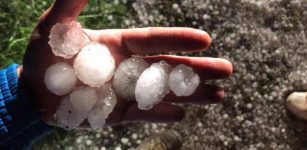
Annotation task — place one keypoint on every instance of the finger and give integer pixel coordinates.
(60, 12)
(162, 112)
(207, 68)
(159, 39)
(204, 94)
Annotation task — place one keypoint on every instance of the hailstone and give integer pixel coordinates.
(60, 79)
(152, 85)
(94, 65)
(104, 106)
(126, 76)
(183, 81)
(67, 39)
(83, 99)
(67, 116)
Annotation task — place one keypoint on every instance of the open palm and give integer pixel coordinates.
(122, 44)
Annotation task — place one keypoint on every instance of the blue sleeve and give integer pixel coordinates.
(20, 125)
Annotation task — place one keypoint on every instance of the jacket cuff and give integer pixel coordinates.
(20, 125)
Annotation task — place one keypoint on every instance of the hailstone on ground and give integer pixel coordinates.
(94, 65)
(152, 85)
(183, 81)
(67, 39)
(104, 106)
(296, 103)
(126, 76)
(60, 79)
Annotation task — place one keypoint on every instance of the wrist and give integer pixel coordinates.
(19, 71)
(21, 124)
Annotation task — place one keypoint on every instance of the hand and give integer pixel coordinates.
(123, 43)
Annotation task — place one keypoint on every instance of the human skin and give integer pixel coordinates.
(122, 44)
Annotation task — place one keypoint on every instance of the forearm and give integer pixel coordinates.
(20, 125)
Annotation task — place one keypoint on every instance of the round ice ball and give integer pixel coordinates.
(60, 79)
(104, 106)
(67, 116)
(152, 85)
(67, 39)
(296, 103)
(83, 99)
(183, 81)
(74, 108)
(106, 99)
(94, 65)
(126, 76)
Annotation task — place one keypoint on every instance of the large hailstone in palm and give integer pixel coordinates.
(183, 81)
(67, 39)
(94, 65)
(152, 85)
(104, 106)
(296, 103)
(67, 116)
(60, 79)
(74, 108)
(126, 76)
(83, 98)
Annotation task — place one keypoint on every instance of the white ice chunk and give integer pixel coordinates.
(104, 106)
(60, 79)
(67, 116)
(83, 99)
(67, 39)
(183, 81)
(106, 99)
(75, 107)
(296, 103)
(126, 76)
(94, 64)
(152, 85)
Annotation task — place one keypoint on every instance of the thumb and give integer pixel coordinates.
(60, 12)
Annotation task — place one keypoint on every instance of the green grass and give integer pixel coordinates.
(17, 20)
(19, 17)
